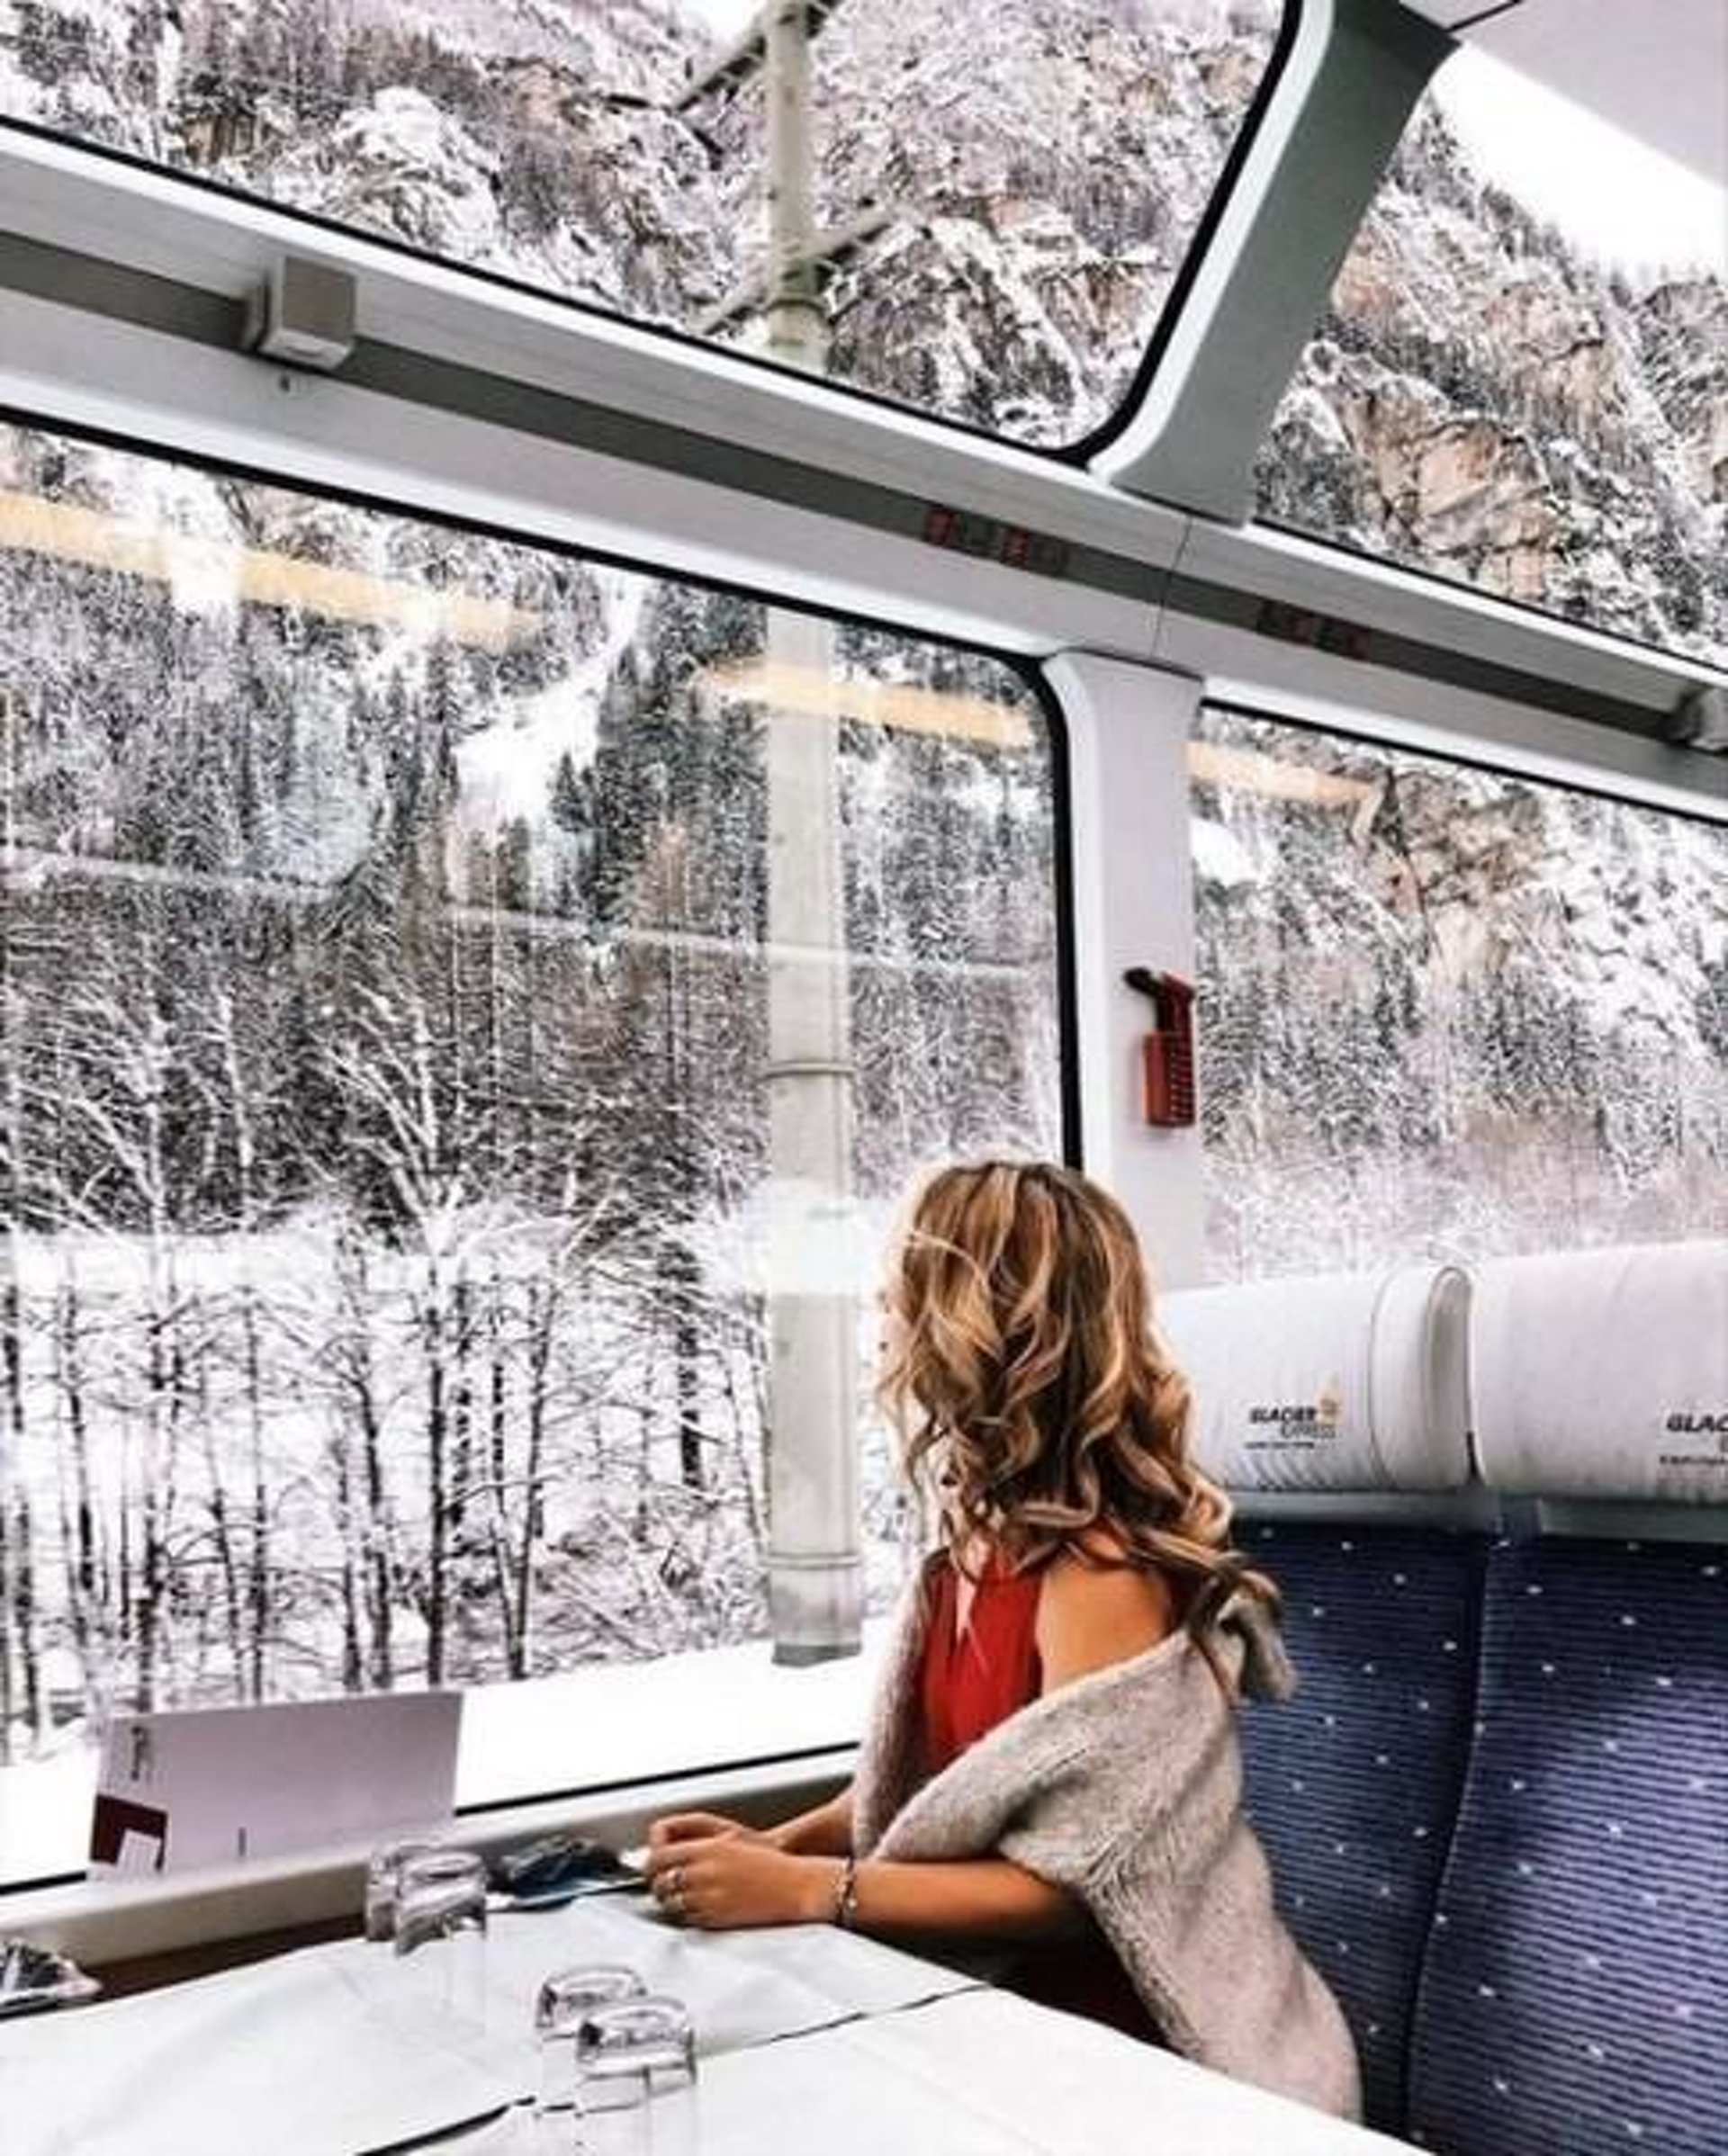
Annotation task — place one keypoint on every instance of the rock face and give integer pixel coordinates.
(1684, 331)
(1481, 399)
(1054, 162)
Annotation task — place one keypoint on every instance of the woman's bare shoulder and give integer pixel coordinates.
(1092, 1614)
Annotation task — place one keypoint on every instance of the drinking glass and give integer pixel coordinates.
(383, 1874)
(566, 2000)
(441, 1925)
(635, 2080)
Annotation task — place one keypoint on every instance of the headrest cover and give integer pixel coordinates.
(1604, 1373)
(1351, 1382)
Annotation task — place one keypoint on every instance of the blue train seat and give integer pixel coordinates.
(1572, 2000)
(1353, 1785)
(1341, 1396)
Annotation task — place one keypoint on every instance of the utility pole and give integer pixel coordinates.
(814, 1563)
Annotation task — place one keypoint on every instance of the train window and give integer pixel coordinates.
(387, 1200)
(999, 201)
(1517, 383)
(1446, 1009)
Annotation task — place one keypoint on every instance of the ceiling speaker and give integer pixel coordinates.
(1700, 718)
(304, 314)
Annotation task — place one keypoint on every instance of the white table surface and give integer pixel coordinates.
(984, 2073)
(811, 2040)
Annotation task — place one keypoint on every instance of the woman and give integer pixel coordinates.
(1052, 1765)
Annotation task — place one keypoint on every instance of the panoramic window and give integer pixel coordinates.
(1448, 1011)
(993, 202)
(1520, 382)
(394, 981)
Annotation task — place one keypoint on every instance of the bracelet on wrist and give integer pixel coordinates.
(845, 1909)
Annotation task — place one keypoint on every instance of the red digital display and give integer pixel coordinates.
(1012, 545)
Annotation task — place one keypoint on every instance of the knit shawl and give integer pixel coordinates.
(1124, 1788)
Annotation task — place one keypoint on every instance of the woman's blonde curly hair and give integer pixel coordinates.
(1039, 1410)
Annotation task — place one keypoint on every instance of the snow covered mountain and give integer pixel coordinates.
(1483, 401)
(1446, 1010)
(1481, 398)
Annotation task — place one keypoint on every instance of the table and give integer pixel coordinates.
(812, 2039)
(985, 2073)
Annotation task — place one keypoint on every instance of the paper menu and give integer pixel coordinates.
(218, 1785)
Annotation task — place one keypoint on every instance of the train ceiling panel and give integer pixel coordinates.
(1454, 14)
(1670, 90)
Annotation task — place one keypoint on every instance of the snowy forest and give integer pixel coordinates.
(385, 1122)
(1447, 1012)
(383, 1136)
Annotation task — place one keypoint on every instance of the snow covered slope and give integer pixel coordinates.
(1481, 400)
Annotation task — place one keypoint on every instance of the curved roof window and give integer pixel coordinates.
(1000, 200)
(1520, 383)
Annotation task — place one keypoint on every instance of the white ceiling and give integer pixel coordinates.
(1657, 68)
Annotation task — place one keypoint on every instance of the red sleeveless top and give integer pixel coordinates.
(971, 1680)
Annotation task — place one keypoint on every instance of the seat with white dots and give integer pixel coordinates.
(1572, 2000)
(1353, 1784)
(1340, 1388)
(1496, 1809)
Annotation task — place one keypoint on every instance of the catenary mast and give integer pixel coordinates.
(815, 1570)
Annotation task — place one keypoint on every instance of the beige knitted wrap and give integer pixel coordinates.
(1125, 1789)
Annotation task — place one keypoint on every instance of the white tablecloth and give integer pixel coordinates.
(981, 2073)
(313, 2054)
(987, 2074)
(812, 2041)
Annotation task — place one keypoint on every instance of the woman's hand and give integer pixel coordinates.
(699, 1826)
(731, 1880)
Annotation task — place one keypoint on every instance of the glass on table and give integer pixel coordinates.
(441, 1926)
(566, 1998)
(635, 2080)
(383, 1876)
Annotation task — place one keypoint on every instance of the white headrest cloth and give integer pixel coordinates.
(1604, 1373)
(1347, 1382)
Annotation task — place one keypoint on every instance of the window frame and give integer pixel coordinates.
(1025, 668)
(126, 311)
(1436, 579)
(1076, 454)
(1291, 25)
